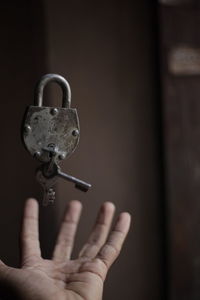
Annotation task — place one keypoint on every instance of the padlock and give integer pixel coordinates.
(48, 131)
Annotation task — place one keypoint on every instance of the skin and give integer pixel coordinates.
(62, 278)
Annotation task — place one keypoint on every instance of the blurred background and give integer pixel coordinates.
(134, 70)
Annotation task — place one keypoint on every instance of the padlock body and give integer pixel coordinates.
(47, 126)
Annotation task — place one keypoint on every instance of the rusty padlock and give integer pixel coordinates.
(47, 129)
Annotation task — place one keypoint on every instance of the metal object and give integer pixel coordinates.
(51, 134)
(45, 126)
(47, 175)
(48, 184)
(27, 129)
(54, 111)
(75, 132)
(61, 156)
(66, 100)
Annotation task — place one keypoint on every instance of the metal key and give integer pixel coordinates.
(52, 169)
(48, 186)
(47, 176)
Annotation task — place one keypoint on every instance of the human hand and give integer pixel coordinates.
(62, 278)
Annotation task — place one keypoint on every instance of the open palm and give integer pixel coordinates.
(61, 277)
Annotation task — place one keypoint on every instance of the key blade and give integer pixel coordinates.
(49, 196)
(47, 185)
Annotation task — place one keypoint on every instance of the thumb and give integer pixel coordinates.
(3, 269)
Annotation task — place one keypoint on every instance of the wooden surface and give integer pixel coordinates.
(180, 27)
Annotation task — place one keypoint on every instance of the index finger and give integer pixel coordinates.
(29, 234)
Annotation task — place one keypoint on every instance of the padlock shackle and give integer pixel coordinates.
(39, 88)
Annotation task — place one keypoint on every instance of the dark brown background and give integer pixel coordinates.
(108, 51)
(179, 28)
